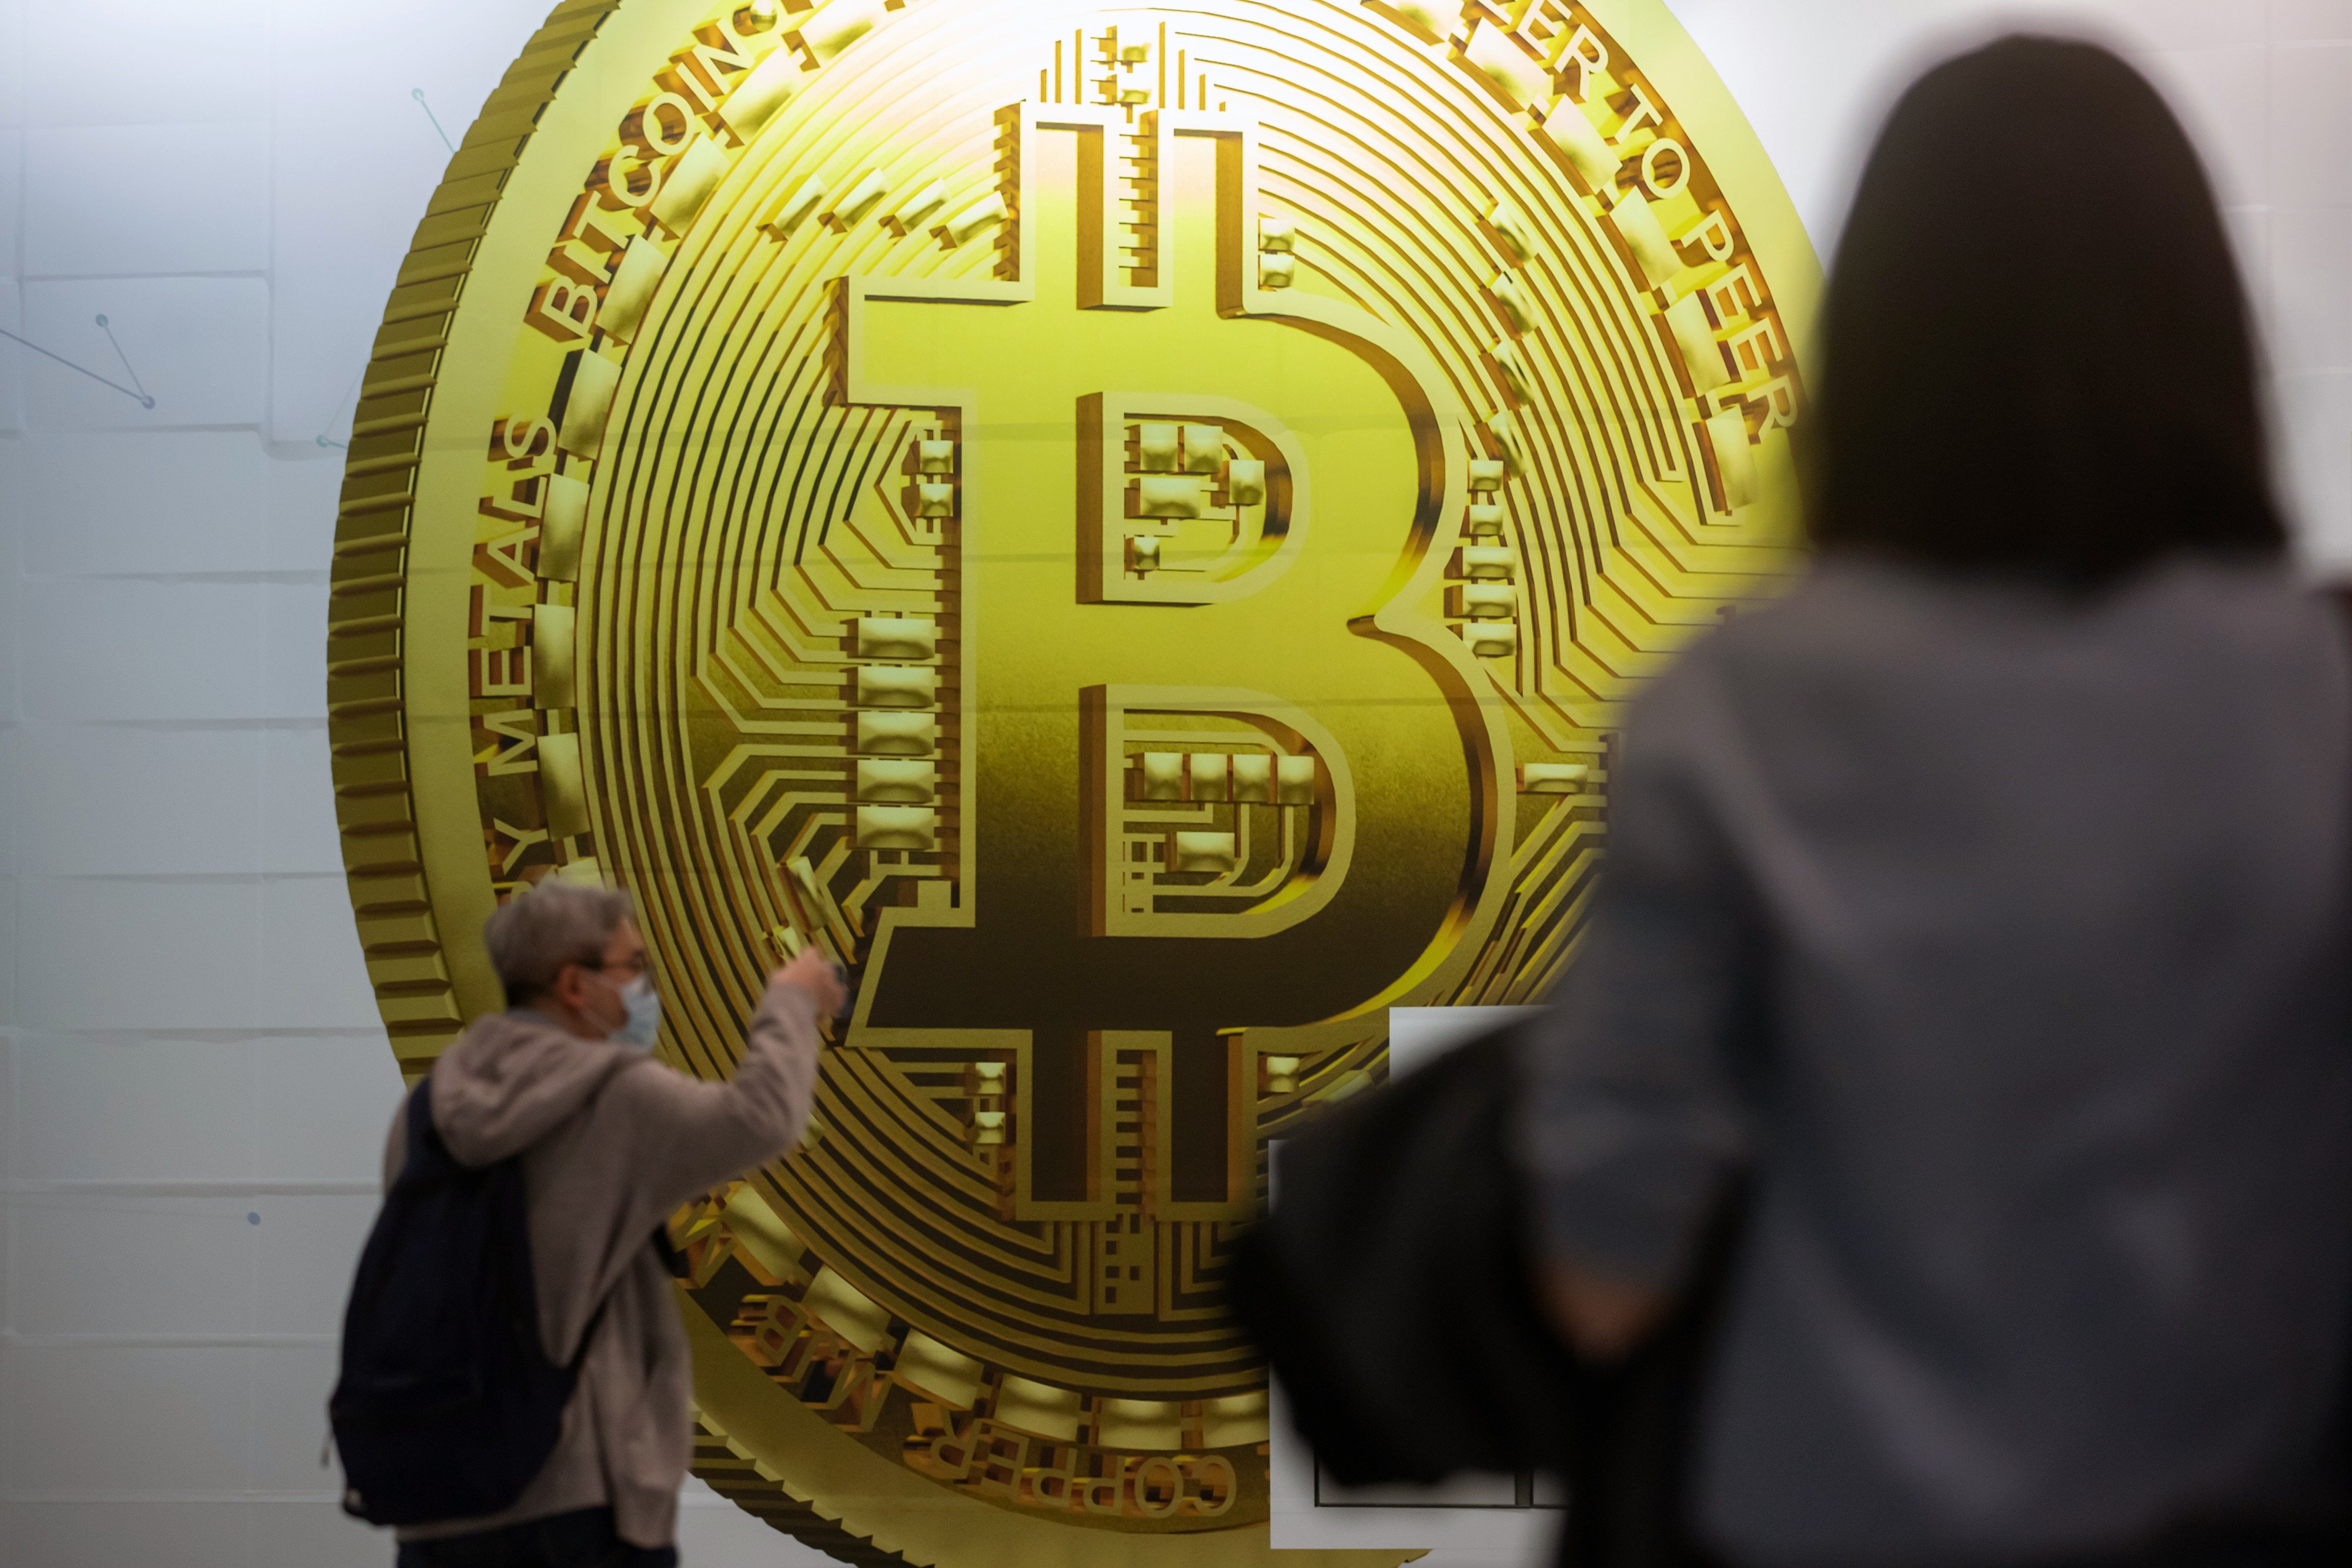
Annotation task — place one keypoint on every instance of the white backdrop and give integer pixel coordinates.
(193, 1084)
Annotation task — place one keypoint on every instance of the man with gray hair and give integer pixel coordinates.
(611, 1141)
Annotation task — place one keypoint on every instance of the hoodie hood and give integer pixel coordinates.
(511, 1078)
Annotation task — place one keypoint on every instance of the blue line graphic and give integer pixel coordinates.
(418, 94)
(137, 394)
(109, 331)
(323, 438)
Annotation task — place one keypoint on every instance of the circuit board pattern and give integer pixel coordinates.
(1131, 530)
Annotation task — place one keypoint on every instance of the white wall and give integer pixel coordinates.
(191, 1081)
(2266, 85)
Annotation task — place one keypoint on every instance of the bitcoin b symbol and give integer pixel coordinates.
(1146, 622)
(1196, 808)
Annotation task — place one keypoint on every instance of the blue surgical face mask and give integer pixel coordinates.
(642, 1026)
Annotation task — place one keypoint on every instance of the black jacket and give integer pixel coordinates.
(1391, 1289)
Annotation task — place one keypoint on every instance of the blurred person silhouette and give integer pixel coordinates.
(1975, 917)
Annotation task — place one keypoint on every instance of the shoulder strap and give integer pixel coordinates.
(588, 1334)
(422, 1149)
(671, 1261)
(672, 1258)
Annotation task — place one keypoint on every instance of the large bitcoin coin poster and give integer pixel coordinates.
(1132, 528)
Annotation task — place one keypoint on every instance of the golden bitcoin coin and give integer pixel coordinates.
(1129, 528)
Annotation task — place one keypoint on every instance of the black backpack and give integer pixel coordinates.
(448, 1403)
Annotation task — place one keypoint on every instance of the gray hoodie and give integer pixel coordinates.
(2002, 937)
(612, 1142)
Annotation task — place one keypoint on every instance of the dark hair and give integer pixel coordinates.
(2036, 356)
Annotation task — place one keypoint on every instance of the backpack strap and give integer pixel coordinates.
(424, 1154)
(672, 1258)
(424, 1151)
(671, 1261)
(588, 1334)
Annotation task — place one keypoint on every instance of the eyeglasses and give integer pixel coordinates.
(628, 969)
